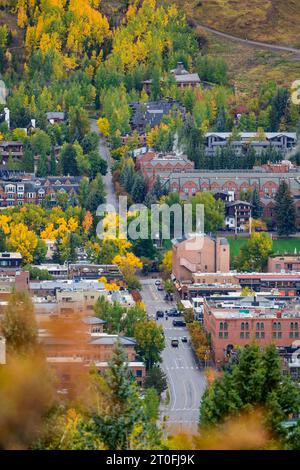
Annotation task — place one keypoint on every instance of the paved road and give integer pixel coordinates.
(248, 42)
(187, 382)
(104, 152)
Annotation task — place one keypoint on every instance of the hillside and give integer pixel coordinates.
(269, 21)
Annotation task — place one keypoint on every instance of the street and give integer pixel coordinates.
(186, 381)
(107, 179)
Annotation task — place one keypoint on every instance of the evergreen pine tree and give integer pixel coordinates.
(57, 252)
(28, 161)
(53, 169)
(124, 409)
(221, 120)
(138, 190)
(256, 205)
(42, 169)
(285, 211)
(2, 241)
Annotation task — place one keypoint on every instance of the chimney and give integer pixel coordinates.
(180, 68)
(279, 314)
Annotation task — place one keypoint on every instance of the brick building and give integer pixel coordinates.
(199, 252)
(30, 190)
(82, 343)
(248, 321)
(152, 164)
(208, 283)
(284, 264)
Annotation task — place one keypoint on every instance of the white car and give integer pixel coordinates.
(157, 282)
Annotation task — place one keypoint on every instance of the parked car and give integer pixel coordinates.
(184, 339)
(157, 282)
(173, 310)
(173, 313)
(159, 314)
(160, 287)
(175, 343)
(179, 323)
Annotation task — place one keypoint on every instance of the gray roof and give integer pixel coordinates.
(251, 135)
(10, 255)
(235, 203)
(112, 339)
(152, 112)
(56, 115)
(93, 321)
(69, 285)
(187, 78)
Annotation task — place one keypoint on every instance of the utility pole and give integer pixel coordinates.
(235, 221)
(250, 223)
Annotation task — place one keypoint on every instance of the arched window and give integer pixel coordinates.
(247, 325)
(221, 326)
(257, 326)
(279, 326)
(262, 326)
(226, 326)
(296, 325)
(274, 325)
(242, 325)
(291, 325)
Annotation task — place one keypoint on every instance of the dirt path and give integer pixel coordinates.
(248, 42)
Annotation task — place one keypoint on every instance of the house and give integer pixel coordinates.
(55, 117)
(199, 253)
(10, 260)
(151, 113)
(237, 214)
(284, 142)
(11, 148)
(183, 78)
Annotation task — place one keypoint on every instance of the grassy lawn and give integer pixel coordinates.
(279, 246)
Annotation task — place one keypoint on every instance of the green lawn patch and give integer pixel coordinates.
(280, 246)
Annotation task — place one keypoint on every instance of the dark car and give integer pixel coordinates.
(159, 314)
(160, 287)
(179, 323)
(184, 339)
(173, 312)
(175, 343)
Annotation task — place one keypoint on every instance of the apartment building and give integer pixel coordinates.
(248, 320)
